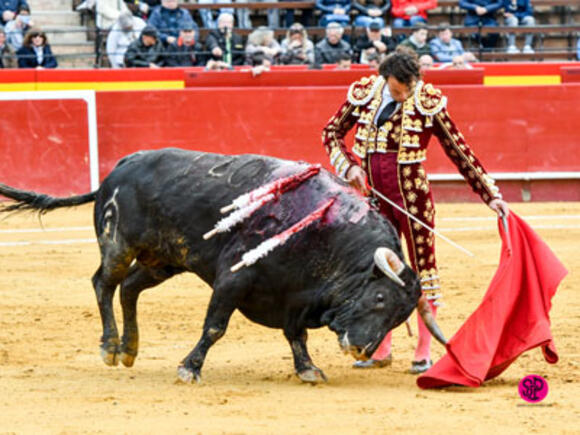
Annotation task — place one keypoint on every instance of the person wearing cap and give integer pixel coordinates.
(9, 9)
(168, 18)
(417, 41)
(409, 13)
(374, 41)
(333, 46)
(126, 30)
(17, 28)
(186, 51)
(7, 54)
(297, 49)
(394, 115)
(147, 51)
(370, 10)
(444, 47)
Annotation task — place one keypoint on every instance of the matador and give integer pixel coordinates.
(395, 114)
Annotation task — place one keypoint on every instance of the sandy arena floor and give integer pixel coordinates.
(52, 379)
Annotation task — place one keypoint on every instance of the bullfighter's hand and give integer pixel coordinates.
(357, 178)
(500, 207)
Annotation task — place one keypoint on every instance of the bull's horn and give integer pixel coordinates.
(427, 316)
(391, 265)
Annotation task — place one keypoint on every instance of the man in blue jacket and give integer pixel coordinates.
(482, 13)
(168, 19)
(519, 12)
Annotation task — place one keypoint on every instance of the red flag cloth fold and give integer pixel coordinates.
(512, 318)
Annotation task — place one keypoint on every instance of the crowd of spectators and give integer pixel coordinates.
(157, 33)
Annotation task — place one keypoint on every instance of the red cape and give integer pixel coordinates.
(512, 318)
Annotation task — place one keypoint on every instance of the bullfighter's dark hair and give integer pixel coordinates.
(403, 65)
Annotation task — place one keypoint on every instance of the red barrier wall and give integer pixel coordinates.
(44, 146)
(512, 129)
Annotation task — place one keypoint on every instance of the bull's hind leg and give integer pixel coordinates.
(219, 311)
(111, 272)
(305, 369)
(138, 279)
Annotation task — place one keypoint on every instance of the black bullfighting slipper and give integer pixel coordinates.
(374, 363)
(418, 367)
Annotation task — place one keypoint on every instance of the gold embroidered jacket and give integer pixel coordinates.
(407, 132)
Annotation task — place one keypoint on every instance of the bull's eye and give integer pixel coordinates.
(380, 298)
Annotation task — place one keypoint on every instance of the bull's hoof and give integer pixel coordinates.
(187, 376)
(127, 359)
(110, 358)
(312, 376)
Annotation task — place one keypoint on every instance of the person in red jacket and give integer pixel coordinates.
(408, 13)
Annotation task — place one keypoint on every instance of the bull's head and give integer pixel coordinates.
(385, 301)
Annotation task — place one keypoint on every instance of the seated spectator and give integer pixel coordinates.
(373, 61)
(333, 46)
(17, 28)
(107, 12)
(334, 11)
(224, 45)
(147, 51)
(370, 10)
(9, 9)
(425, 62)
(418, 41)
(444, 47)
(7, 55)
(519, 13)
(262, 40)
(482, 13)
(35, 51)
(168, 19)
(374, 41)
(344, 61)
(458, 62)
(259, 63)
(126, 29)
(409, 13)
(186, 51)
(297, 49)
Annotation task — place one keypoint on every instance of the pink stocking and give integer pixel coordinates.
(384, 349)
(423, 350)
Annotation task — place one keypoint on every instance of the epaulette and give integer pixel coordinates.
(362, 91)
(429, 101)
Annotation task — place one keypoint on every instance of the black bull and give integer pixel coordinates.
(151, 213)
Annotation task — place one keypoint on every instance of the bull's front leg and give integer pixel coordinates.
(220, 309)
(305, 369)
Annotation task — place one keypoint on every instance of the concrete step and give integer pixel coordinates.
(50, 5)
(66, 34)
(75, 63)
(55, 18)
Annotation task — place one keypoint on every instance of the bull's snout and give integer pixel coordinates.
(358, 352)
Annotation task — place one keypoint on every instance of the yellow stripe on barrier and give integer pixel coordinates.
(12, 87)
(110, 86)
(521, 80)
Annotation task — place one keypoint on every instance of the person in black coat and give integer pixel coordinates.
(147, 51)
(224, 45)
(35, 51)
(373, 41)
(186, 51)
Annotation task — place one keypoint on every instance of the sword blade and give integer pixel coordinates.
(406, 213)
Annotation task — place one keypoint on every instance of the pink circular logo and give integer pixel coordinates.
(533, 388)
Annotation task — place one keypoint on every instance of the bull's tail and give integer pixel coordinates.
(26, 200)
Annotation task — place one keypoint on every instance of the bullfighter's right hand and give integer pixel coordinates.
(357, 178)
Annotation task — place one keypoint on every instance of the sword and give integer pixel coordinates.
(406, 213)
(507, 233)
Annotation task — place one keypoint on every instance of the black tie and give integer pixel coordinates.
(386, 113)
